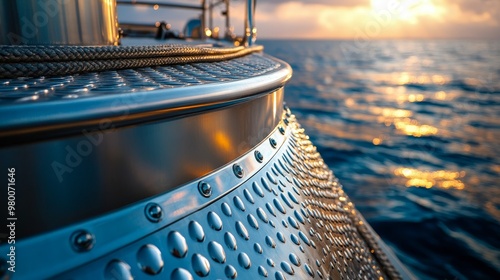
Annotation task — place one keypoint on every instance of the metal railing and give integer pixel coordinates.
(95, 22)
(207, 9)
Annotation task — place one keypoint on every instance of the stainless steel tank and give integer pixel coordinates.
(58, 22)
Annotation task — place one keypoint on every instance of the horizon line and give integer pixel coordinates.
(377, 39)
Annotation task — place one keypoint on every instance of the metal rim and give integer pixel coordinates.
(33, 120)
(133, 222)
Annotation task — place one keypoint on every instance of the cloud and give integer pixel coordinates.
(411, 19)
(475, 6)
(349, 19)
(331, 3)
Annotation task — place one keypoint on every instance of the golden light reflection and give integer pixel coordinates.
(428, 179)
(405, 78)
(349, 102)
(156, 7)
(223, 142)
(402, 121)
(215, 32)
(208, 32)
(376, 141)
(440, 95)
(438, 79)
(413, 128)
(416, 97)
(392, 112)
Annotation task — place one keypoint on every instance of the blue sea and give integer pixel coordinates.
(412, 130)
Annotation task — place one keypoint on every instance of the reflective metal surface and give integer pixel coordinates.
(192, 29)
(96, 100)
(287, 218)
(116, 167)
(250, 29)
(58, 22)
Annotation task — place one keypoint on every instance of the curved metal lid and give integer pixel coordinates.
(66, 104)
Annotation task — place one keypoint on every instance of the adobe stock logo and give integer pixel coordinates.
(75, 154)
(38, 17)
(30, 26)
(83, 148)
(374, 26)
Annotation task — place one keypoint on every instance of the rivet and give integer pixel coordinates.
(150, 261)
(201, 265)
(238, 170)
(82, 240)
(282, 130)
(309, 270)
(258, 156)
(153, 212)
(262, 271)
(180, 273)
(214, 221)
(230, 272)
(205, 189)
(117, 270)
(286, 121)
(244, 261)
(273, 142)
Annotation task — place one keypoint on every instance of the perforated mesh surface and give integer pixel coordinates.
(291, 220)
(67, 88)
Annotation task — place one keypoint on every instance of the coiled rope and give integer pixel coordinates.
(35, 61)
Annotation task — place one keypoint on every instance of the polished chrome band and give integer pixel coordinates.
(276, 212)
(74, 178)
(117, 137)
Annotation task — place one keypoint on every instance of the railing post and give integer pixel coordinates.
(203, 19)
(250, 29)
(229, 34)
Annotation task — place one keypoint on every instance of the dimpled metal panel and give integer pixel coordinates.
(290, 220)
(66, 88)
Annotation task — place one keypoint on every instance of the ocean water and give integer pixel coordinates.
(412, 130)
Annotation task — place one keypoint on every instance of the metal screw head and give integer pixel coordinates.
(238, 170)
(82, 241)
(258, 156)
(273, 142)
(153, 212)
(282, 130)
(205, 189)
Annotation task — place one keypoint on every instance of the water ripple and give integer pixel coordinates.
(412, 130)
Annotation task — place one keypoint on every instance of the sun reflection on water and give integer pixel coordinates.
(412, 128)
(428, 179)
(401, 120)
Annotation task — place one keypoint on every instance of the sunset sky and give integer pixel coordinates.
(354, 19)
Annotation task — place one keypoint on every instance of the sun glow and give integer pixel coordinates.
(406, 10)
